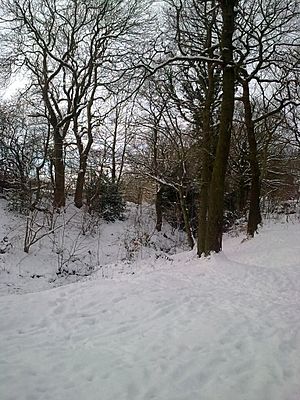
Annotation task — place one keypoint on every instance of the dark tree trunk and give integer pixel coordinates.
(83, 154)
(206, 158)
(113, 150)
(59, 173)
(207, 147)
(158, 209)
(203, 202)
(254, 218)
(214, 232)
(59, 134)
(185, 216)
(159, 192)
(78, 197)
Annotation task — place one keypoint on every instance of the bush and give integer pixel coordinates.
(111, 202)
(18, 201)
(104, 198)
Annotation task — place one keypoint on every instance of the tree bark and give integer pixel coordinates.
(83, 151)
(206, 158)
(254, 218)
(214, 231)
(186, 220)
(113, 149)
(59, 173)
(78, 197)
(159, 192)
(207, 147)
(158, 209)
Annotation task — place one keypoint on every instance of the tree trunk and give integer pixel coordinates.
(214, 232)
(59, 173)
(83, 153)
(186, 220)
(113, 149)
(158, 209)
(207, 147)
(159, 192)
(203, 203)
(254, 218)
(206, 158)
(78, 197)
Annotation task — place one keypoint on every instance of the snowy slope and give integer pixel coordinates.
(110, 248)
(186, 329)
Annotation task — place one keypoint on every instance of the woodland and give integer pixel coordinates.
(199, 100)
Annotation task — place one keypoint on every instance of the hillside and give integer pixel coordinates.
(161, 326)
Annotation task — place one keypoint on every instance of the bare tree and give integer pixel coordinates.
(265, 35)
(65, 46)
(23, 152)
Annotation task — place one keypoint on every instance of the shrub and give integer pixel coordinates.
(105, 199)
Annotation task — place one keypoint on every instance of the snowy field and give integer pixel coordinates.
(161, 327)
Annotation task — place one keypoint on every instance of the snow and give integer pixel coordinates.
(109, 248)
(178, 328)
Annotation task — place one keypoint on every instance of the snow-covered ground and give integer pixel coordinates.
(110, 249)
(172, 328)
